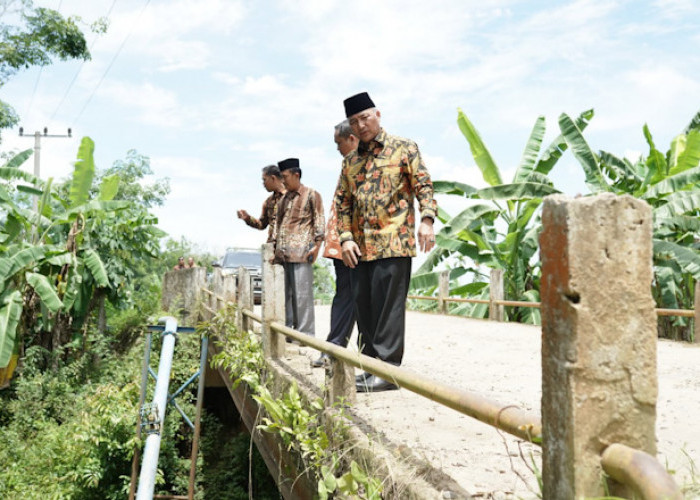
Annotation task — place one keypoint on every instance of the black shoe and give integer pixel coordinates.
(322, 361)
(362, 377)
(375, 384)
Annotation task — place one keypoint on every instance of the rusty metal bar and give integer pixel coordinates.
(641, 472)
(250, 314)
(508, 418)
(687, 313)
(517, 303)
(470, 301)
(422, 297)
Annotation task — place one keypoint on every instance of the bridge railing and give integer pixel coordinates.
(636, 472)
(496, 302)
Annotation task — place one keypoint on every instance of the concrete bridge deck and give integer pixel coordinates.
(500, 361)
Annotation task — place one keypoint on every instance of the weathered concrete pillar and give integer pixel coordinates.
(272, 293)
(228, 288)
(245, 298)
(696, 319)
(340, 383)
(181, 291)
(443, 292)
(496, 312)
(599, 382)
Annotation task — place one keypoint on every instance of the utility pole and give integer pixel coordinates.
(37, 152)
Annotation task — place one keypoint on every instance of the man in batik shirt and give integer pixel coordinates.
(343, 305)
(299, 236)
(376, 222)
(272, 180)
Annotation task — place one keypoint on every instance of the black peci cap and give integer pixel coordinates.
(358, 102)
(288, 163)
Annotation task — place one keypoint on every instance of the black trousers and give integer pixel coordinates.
(380, 288)
(343, 306)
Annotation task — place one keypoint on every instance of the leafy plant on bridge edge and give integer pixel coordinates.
(287, 416)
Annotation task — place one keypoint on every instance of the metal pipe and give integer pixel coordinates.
(688, 313)
(508, 418)
(198, 416)
(641, 472)
(142, 398)
(517, 303)
(149, 465)
(250, 314)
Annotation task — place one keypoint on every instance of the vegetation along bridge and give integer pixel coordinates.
(487, 409)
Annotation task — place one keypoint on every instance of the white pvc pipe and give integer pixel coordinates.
(149, 464)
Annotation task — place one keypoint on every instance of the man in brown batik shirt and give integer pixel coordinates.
(299, 234)
(272, 180)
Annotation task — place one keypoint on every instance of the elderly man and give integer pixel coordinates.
(272, 180)
(376, 222)
(299, 235)
(343, 307)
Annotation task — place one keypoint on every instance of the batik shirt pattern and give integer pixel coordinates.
(267, 218)
(374, 200)
(300, 222)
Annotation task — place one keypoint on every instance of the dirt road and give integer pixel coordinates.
(501, 361)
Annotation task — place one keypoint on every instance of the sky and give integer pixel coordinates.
(213, 90)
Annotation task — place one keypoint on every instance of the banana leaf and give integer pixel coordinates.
(665, 277)
(465, 218)
(519, 191)
(468, 289)
(427, 280)
(680, 223)
(10, 173)
(10, 312)
(482, 157)
(694, 123)
(435, 256)
(689, 157)
(18, 159)
(109, 188)
(583, 153)
(83, 173)
(686, 179)
(20, 260)
(558, 146)
(686, 258)
(45, 290)
(532, 150)
(683, 202)
(94, 264)
(452, 187)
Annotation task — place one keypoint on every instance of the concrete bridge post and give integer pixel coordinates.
(443, 292)
(181, 292)
(272, 303)
(599, 381)
(340, 383)
(496, 311)
(245, 299)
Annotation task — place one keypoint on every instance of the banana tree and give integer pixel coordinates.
(48, 269)
(670, 183)
(500, 226)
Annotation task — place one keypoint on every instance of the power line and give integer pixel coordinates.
(75, 76)
(75, 120)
